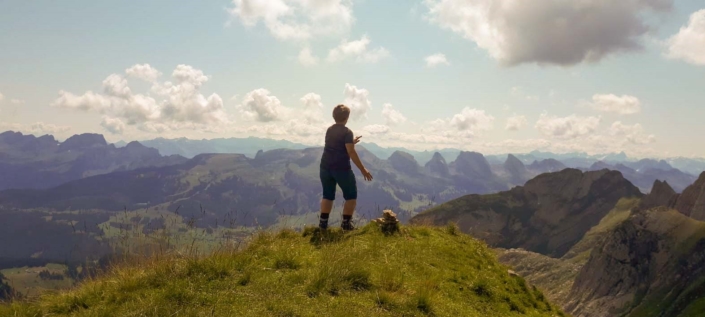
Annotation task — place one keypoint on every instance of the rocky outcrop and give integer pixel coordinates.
(661, 195)
(548, 215)
(692, 201)
(437, 166)
(517, 172)
(404, 162)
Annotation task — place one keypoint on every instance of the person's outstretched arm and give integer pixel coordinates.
(356, 159)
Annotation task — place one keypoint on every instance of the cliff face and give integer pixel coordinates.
(548, 215)
(649, 265)
(692, 201)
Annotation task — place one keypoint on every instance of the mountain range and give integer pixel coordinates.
(27, 161)
(593, 243)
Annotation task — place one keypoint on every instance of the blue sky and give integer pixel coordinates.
(554, 76)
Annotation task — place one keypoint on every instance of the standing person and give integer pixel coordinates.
(336, 169)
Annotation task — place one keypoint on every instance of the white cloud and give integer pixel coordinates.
(392, 116)
(188, 74)
(515, 123)
(616, 104)
(112, 125)
(472, 120)
(296, 19)
(358, 50)
(376, 129)
(631, 133)
(144, 72)
(358, 101)
(569, 127)
(313, 107)
(169, 106)
(307, 58)
(2, 97)
(261, 106)
(116, 86)
(689, 43)
(547, 31)
(17, 102)
(436, 59)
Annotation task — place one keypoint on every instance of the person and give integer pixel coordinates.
(336, 169)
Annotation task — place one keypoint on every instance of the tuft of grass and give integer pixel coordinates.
(420, 271)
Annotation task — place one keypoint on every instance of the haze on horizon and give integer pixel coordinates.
(489, 76)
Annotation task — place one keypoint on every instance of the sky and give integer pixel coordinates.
(494, 76)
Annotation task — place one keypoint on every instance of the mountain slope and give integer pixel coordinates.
(30, 162)
(548, 215)
(364, 273)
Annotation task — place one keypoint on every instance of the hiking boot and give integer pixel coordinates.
(347, 226)
(323, 225)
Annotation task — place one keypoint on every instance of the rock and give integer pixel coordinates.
(512, 273)
(388, 222)
(474, 165)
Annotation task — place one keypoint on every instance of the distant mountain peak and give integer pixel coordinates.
(83, 141)
(404, 162)
(437, 165)
(662, 194)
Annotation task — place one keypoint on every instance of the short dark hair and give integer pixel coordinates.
(341, 113)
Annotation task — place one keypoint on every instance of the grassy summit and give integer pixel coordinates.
(418, 272)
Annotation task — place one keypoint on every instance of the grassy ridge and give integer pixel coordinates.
(419, 272)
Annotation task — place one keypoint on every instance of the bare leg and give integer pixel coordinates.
(349, 207)
(326, 206)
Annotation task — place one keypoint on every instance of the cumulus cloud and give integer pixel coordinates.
(436, 59)
(168, 106)
(569, 127)
(112, 125)
(392, 116)
(358, 50)
(631, 133)
(358, 101)
(144, 72)
(376, 129)
(307, 58)
(616, 104)
(515, 123)
(472, 120)
(547, 31)
(296, 19)
(261, 106)
(689, 43)
(313, 107)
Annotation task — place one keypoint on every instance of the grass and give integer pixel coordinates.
(420, 271)
(26, 280)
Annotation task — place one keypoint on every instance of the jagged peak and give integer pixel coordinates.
(83, 141)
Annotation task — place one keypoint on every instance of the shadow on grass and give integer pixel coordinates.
(321, 237)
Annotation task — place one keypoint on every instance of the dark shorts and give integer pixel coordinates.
(345, 179)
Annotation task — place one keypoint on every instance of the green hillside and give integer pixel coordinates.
(420, 271)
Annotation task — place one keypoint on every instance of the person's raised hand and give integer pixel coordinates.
(367, 175)
(357, 140)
